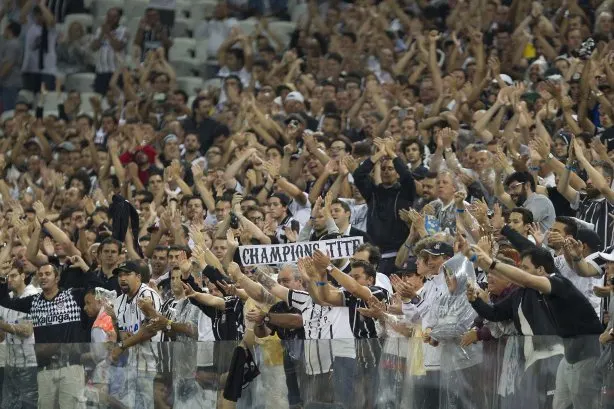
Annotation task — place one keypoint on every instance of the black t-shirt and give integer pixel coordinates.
(574, 318)
(560, 203)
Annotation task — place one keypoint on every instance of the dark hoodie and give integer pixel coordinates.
(384, 226)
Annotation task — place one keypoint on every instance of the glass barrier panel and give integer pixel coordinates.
(385, 373)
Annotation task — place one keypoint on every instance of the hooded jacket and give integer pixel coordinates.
(452, 316)
(384, 226)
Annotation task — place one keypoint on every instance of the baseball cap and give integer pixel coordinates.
(439, 248)
(133, 266)
(66, 146)
(505, 78)
(295, 96)
(169, 138)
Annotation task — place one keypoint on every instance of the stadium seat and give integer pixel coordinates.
(82, 82)
(135, 8)
(186, 67)
(299, 12)
(182, 48)
(202, 51)
(215, 83)
(7, 114)
(86, 106)
(86, 20)
(101, 7)
(183, 27)
(283, 29)
(190, 85)
(52, 99)
(247, 26)
(199, 10)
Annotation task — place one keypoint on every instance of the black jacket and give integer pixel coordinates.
(384, 226)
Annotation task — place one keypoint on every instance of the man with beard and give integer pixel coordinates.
(520, 192)
(133, 309)
(597, 203)
(426, 188)
(195, 210)
(396, 191)
(191, 146)
(144, 157)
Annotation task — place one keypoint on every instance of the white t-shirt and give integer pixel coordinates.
(206, 341)
(20, 351)
(130, 319)
(323, 323)
(31, 53)
(105, 56)
(300, 212)
(216, 32)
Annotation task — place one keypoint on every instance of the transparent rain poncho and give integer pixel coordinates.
(452, 316)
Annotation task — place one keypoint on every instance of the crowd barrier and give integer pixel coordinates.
(389, 373)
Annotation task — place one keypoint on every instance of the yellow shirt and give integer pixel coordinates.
(272, 351)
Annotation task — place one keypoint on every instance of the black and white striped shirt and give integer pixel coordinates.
(368, 345)
(227, 325)
(105, 56)
(323, 323)
(596, 212)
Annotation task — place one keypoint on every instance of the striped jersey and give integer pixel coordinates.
(130, 319)
(596, 212)
(323, 323)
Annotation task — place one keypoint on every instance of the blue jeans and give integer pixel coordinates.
(344, 376)
(8, 97)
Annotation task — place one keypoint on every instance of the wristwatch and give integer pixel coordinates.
(169, 324)
(266, 318)
(550, 156)
(329, 268)
(121, 345)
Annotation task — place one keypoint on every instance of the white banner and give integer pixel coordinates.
(291, 252)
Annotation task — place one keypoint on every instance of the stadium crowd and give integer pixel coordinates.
(159, 168)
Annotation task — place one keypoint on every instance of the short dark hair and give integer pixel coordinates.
(283, 198)
(187, 199)
(110, 240)
(521, 177)
(361, 149)
(347, 147)
(606, 167)
(540, 257)
(571, 226)
(527, 215)
(367, 267)
(375, 254)
(14, 28)
(160, 247)
(430, 175)
(413, 141)
(148, 196)
(343, 204)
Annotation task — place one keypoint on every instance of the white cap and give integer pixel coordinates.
(295, 96)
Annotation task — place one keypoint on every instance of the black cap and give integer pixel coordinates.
(410, 265)
(133, 266)
(439, 248)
